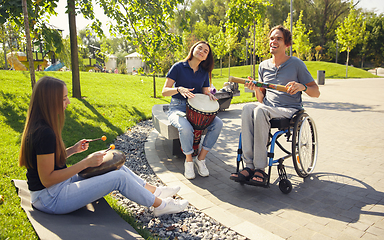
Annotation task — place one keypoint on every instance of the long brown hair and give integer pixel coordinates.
(208, 64)
(46, 104)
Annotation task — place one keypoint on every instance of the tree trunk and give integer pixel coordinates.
(229, 64)
(76, 91)
(346, 72)
(221, 66)
(5, 56)
(154, 85)
(29, 47)
(246, 53)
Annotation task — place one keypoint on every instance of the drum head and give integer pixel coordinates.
(202, 103)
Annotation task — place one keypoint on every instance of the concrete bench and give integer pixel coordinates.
(164, 127)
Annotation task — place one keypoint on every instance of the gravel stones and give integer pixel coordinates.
(190, 224)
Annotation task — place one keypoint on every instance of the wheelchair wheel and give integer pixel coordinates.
(304, 145)
(285, 186)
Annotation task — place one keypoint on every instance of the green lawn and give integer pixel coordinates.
(111, 104)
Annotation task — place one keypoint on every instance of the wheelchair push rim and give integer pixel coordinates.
(304, 145)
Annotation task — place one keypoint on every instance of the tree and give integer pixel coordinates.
(375, 45)
(277, 11)
(37, 30)
(145, 23)
(218, 44)
(350, 33)
(322, 16)
(76, 89)
(202, 30)
(301, 44)
(242, 14)
(29, 47)
(230, 44)
(262, 41)
(210, 11)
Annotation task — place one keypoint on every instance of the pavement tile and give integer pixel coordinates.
(332, 232)
(376, 231)
(320, 236)
(369, 236)
(353, 232)
(341, 199)
(304, 232)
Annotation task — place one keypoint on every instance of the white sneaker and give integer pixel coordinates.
(168, 191)
(172, 206)
(189, 172)
(201, 167)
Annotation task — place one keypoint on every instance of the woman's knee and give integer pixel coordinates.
(218, 123)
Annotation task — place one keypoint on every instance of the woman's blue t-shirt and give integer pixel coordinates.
(184, 76)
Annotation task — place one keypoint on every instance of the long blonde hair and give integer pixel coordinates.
(46, 104)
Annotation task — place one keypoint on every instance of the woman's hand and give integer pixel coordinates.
(185, 92)
(95, 159)
(81, 146)
(211, 96)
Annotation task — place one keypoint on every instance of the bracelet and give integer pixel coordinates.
(177, 89)
(305, 87)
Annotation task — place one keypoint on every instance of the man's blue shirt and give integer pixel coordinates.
(184, 76)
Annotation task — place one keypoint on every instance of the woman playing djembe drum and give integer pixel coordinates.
(58, 189)
(185, 79)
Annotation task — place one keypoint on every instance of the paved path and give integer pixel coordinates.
(342, 199)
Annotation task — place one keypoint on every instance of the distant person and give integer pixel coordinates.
(185, 79)
(58, 189)
(255, 126)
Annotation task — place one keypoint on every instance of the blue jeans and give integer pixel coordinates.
(76, 192)
(176, 113)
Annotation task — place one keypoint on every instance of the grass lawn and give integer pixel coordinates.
(111, 104)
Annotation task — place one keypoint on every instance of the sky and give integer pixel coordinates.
(61, 20)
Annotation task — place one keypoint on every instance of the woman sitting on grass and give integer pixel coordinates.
(58, 189)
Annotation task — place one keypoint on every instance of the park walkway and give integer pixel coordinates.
(342, 199)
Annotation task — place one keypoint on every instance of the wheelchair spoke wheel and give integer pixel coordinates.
(285, 186)
(304, 145)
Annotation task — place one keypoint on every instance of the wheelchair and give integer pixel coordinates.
(300, 131)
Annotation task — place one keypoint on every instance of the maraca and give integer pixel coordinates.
(102, 138)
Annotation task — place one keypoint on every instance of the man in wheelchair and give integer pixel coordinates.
(255, 119)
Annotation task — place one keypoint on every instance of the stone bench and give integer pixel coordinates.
(164, 127)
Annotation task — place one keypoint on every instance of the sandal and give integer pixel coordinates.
(240, 177)
(259, 183)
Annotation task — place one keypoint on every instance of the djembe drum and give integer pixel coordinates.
(200, 113)
(113, 160)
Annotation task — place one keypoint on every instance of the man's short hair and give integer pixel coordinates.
(286, 34)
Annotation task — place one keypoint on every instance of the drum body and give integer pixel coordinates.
(200, 113)
(113, 160)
